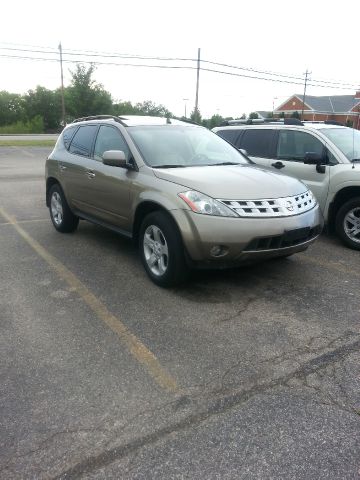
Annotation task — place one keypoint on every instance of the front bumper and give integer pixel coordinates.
(246, 239)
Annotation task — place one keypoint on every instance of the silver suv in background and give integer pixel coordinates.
(186, 196)
(325, 156)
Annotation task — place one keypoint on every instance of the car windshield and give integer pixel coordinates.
(170, 146)
(346, 139)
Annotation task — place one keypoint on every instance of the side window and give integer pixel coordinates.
(109, 138)
(257, 142)
(229, 135)
(67, 135)
(83, 139)
(293, 145)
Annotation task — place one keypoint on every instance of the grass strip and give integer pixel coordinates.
(27, 143)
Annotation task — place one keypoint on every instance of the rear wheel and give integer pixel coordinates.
(162, 250)
(61, 216)
(348, 223)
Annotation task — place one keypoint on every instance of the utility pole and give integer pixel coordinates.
(62, 86)
(307, 73)
(196, 111)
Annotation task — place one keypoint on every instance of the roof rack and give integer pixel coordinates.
(100, 117)
(256, 121)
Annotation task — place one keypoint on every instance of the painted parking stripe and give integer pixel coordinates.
(133, 344)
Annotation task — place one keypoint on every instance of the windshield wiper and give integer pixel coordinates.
(223, 163)
(168, 166)
(355, 160)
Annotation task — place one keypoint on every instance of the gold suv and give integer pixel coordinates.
(186, 196)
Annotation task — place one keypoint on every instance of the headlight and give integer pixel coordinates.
(200, 203)
(312, 197)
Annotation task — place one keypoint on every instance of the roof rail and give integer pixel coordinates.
(100, 117)
(333, 122)
(256, 121)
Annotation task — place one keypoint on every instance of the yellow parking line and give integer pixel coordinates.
(134, 345)
(331, 265)
(34, 220)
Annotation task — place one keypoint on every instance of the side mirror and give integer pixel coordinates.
(114, 158)
(312, 158)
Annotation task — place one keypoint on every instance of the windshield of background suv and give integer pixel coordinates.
(346, 139)
(171, 146)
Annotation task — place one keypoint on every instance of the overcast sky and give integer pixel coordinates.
(285, 37)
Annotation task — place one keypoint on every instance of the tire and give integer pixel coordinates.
(61, 216)
(347, 223)
(162, 250)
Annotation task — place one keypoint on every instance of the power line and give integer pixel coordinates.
(94, 53)
(178, 67)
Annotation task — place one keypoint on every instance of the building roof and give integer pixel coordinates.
(332, 104)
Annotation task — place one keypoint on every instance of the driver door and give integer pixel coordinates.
(292, 145)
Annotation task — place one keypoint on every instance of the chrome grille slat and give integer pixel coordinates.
(273, 207)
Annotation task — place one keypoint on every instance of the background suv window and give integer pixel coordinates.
(109, 138)
(293, 145)
(229, 135)
(257, 143)
(83, 140)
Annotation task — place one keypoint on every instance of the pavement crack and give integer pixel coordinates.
(215, 406)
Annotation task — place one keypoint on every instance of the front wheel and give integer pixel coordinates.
(348, 223)
(61, 216)
(162, 250)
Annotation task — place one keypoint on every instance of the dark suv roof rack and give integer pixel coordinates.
(257, 121)
(100, 117)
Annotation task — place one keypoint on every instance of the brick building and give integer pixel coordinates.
(341, 108)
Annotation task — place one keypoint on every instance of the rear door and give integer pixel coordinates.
(75, 166)
(259, 144)
(292, 145)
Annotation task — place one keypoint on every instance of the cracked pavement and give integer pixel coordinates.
(266, 358)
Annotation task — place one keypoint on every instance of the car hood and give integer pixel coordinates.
(233, 182)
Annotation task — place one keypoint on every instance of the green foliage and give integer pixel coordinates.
(46, 103)
(196, 116)
(86, 97)
(295, 115)
(150, 108)
(11, 108)
(253, 115)
(35, 125)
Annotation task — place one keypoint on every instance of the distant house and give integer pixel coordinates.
(262, 114)
(344, 109)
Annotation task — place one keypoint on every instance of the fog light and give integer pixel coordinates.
(218, 250)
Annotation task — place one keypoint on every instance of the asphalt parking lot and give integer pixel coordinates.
(250, 373)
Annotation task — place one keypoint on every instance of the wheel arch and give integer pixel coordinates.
(342, 196)
(49, 183)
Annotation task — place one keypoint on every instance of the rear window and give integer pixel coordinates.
(67, 135)
(257, 143)
(229, 135)
(83, 139)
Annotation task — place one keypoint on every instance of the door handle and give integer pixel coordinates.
(278, 165)
(90, 173)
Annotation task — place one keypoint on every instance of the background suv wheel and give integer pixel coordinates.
(348, 223)
(61, 216)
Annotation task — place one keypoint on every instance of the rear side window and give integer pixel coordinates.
(229, 135)
(257, 143)
(83, 139)
(67, 136)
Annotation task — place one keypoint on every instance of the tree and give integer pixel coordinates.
(196, 116)
(86, 97)
(295, 115)
(253, 115)
(11, 108)
(124, 108)
(150, 108)
(46, 104)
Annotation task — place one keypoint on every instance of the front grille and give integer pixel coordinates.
(277, 207)
(290, 238)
